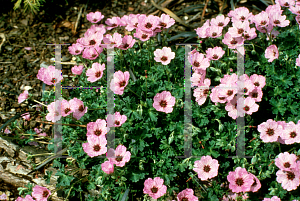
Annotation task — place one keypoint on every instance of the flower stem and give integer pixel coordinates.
(167, 73)
(39, 102)
(135, 93)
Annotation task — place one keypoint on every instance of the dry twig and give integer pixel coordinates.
(204, 11)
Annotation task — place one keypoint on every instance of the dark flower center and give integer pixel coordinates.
(154, 189)
(135, 24)
(126, 45)
(214, 34)
(144, 36)
(229, 92)
(185, 199)
(239, 181)
(98, 132)
(233, 42)
(163, 24)
(119, 158)
(254, 183)
(293, 134)
(221, 98)
(92, 42)
(97, 147)
(256, 84)
(94, 20)
(254, 95)
(286, 4)
(81, 108)
(53, 80)
(246, 108)
(245, 90)
(246, 36)
(287, 165)
(164, 58)
(67, 110)
(270, 132)
(122, 84)
(114, 24)
(98, 74)
(215, 56)
(290, 175)
(276, 22)
(45, 194)
(240, 31)
(163, 103)
(148, 25)
(205, 92)
(220, 24)
(243, 18)
(206, 168)
(77, 51)
(94, 55)
(117, 122)
(196, 64)
(263, 22)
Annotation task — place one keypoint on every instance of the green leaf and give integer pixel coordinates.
(153, 116)
(171, 138)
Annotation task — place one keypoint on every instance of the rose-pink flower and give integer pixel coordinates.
(54, 109)
(78, 108)
(201, 92)
(206, 167)
(96, 72)
(164, 55)
(119, 119)
(187, 195)
(23, 96)
(65, 108)
(75, 49)
(164, 102)
(77, 70)
(289, 179)
(27, 198)
(119, 156)
(97, 128)
(274, 198)
(214, 53)
(154, 187)
(107, 167)
(40, 193)
(113, 22)
(119, 82)
(240, 180)
(286, 161)
(269, 131)
(271, 53)
(94, 17)
(291, 133)
(95, 146)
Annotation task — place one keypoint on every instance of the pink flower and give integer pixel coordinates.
(127, 42)
(95, 29)
(27, 198)
(119, 119)
(115, 40)
(256, 94)
(187, 195)
(113, 22)
(231, 41)
(75, 49)
(199, 61)
(54, 111)
(50, 75)
(240, 14)
(78, 108)
(107, 167)
(3, 197)
(298, 61)
(214, 31)
(95, 73)
(92, 53)
(23, 96)
(271, 53)
(240, 180)
(286, 161)
(148, 23)
(164, 102)
(295, 9)
(231, 107)
(220, 21)
(269, 131)
(65, 108)
(132, 22)
(197, 79)
(166, 21)
(289, 179)
(7, 131)
(206, 168)
(238, 28)
(94, 17)
(201, 31)
(40, 193)
(274, 198)
(95, 146)
(91, 39)
(229, 79)
(201, 92)
(143, 35)
(119, 156)
(274, 33)
(256, 183)
(154, 187)
(291, 133)
(97, 128)
(124, 20)
(285, 3)
(214, 53)
(258, 80)
(119, 82)
(276, 19)
(26, 116)
(283, 124)
(261, 19)
(77, 70)
(164, 55)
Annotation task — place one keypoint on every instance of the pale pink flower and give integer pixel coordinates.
(54, 111)
(201, 31)
(65, 108)
(97, 128)
(229, 79)
(276, 19)
(247, 84)
(214, 53)
(7, 131)
(26, 116)
(238, 28)
(95, 29)
(274, 198)
(91, 39)
(258, 80)
(214, 31)
(291, 133)
(124, 20)
(283, 124)
(289, 179)
(269, 131)
(232, 42)
(218, 95)
(94, 17)
(92, 53)
(240, 180)
(286, 161)
(40, 193)
(295, 9)
(127, 42)
(164, 55)
(298, 61)
(154, 187)
(95, 146)
(271, 53)
(119, 119)
(107, 167)
(96, 72)
(240, 14)
(220, 21)
(77, 70)
(285, 3)
(23, 96)
(206, 168)
(50, 75)
(77, 108)
(143, 35)
(201, 92)
(274, 33)
(119, 82)
(231, 107)
(261, 19)
(148, 23)
(27, 198)
(274, 9)
(76, 49)
(197, 79)
(199, 61)
(166, 21)
(113, 22)
(132, 22)
(187, 195)
(256, 183)
(119, 156)
(256, 94)
(114, 40)
(164, 102)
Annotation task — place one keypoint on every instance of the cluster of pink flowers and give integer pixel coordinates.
(38, 193)
(234, 196)
(242, 181)
(280, 131)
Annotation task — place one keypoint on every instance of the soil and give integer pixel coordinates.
(55, 23)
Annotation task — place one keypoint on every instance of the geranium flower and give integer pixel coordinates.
(96, 72)
(269, 131)
(214, 31)
(220, 21)
(274, 198)
(127, 42)
(148, 23)
(77, 70)
(201, 92)
(276, 19)
(201, 31)
(286, 161)
(54, 113)
(75, 49)
(298, 61)
(78, 108)
(197, 79)
(112, 22)
(280, 139)
(240, 14)
(240, 180)
(232, 42)
(23, 96)
(119, 119)
(249, 106)
(291, 133)
(124, 20)
(143, 35)
(187, 195)
(119, 82)
(115, 40)
(26, 116)
(94, 17)
(40, 193)
(256, 183)
(164, 102)
(92, 53)
(121, 155)
(7, 131)
(256, 94)
(107, 167)
(258, 80)
(206, 168)
(154, 187)
(65, 108)
(95, 146)
(289, 179)
(271, 53)
(27, 198)
(132, 22)
(214, 53)
(95, 29)
(285, 3)
(199, 61)
(91, 39)
(97, 128)
(166, 21)
(50, 75)
(238, 28)
(231, 107)
(164, 55)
